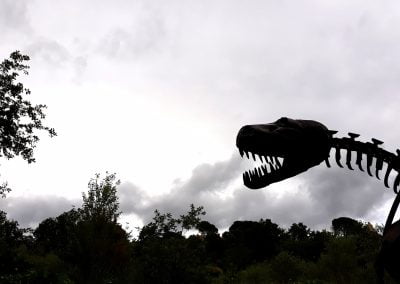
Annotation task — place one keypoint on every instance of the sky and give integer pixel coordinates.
(156, 92)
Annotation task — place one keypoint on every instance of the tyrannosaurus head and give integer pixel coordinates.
(286, 147)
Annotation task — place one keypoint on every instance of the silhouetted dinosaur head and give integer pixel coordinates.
(286, 147)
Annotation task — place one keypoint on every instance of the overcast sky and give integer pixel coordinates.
(156, 91)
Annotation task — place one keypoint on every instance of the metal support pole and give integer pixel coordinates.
(392, 212)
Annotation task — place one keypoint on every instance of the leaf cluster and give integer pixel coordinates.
(19, 119)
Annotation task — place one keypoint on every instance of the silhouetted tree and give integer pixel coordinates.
(192, 218)
(247, 242)
(103, 245)
(206, 228)
(345, 226)
(59, 235)
(90, 242)
(101, 201)
(165, 224)
(299, 232)
(19, 119)
(13, 266)
(163, 255)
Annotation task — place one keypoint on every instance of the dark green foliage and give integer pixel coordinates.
(90, 244)
(206, 228)
(301, 242)
(247, 242)
(345, 226)
(11, 239)
(83, 247)
(163, 255)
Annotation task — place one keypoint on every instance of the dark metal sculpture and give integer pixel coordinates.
(288, 147)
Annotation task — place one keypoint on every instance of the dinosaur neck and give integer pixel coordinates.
(356, 150)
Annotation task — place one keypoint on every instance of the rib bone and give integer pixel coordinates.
(348, 159)
(337, 157)
(359, 159)
(379, 166)
(386, 179)
(369, 163)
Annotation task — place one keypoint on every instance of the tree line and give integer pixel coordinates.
(88, 245)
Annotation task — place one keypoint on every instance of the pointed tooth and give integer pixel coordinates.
(277, 162)
(246, 177)
(379, 166)
(254, 156)
(241, 152)
(337, 157)
(264, 169)
(247, 154)
(348, 159)
(327, 162)
(369, 163)
(358, 160)
(271, 167)
(386, 179)
(260, 173)
(396, 183)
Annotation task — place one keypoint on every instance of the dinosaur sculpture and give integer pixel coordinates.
(288, 147)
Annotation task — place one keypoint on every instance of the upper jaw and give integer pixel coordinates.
(272, 168)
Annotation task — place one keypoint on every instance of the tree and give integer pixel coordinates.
(192, 218)
(101, 201)
(299, 232)
(345, 226)
(206, 228)
(89, 241)
(19, 119)
(163, 255)
(12, 239)
(165, 224)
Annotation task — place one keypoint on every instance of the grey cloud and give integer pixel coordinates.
(57, 58)
(13, 16)
(316, 198)
(142, 38)
(340, 192)
(201, 189)
(30, 211)
(50, 51)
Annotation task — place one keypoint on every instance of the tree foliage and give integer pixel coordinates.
(101, 200)
(18, 117)
(90, 246)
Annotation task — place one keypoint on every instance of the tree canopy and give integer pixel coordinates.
(18, 117)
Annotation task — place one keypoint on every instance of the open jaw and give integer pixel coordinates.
(269, 171)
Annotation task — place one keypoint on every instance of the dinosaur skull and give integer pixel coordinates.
(286, 147)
